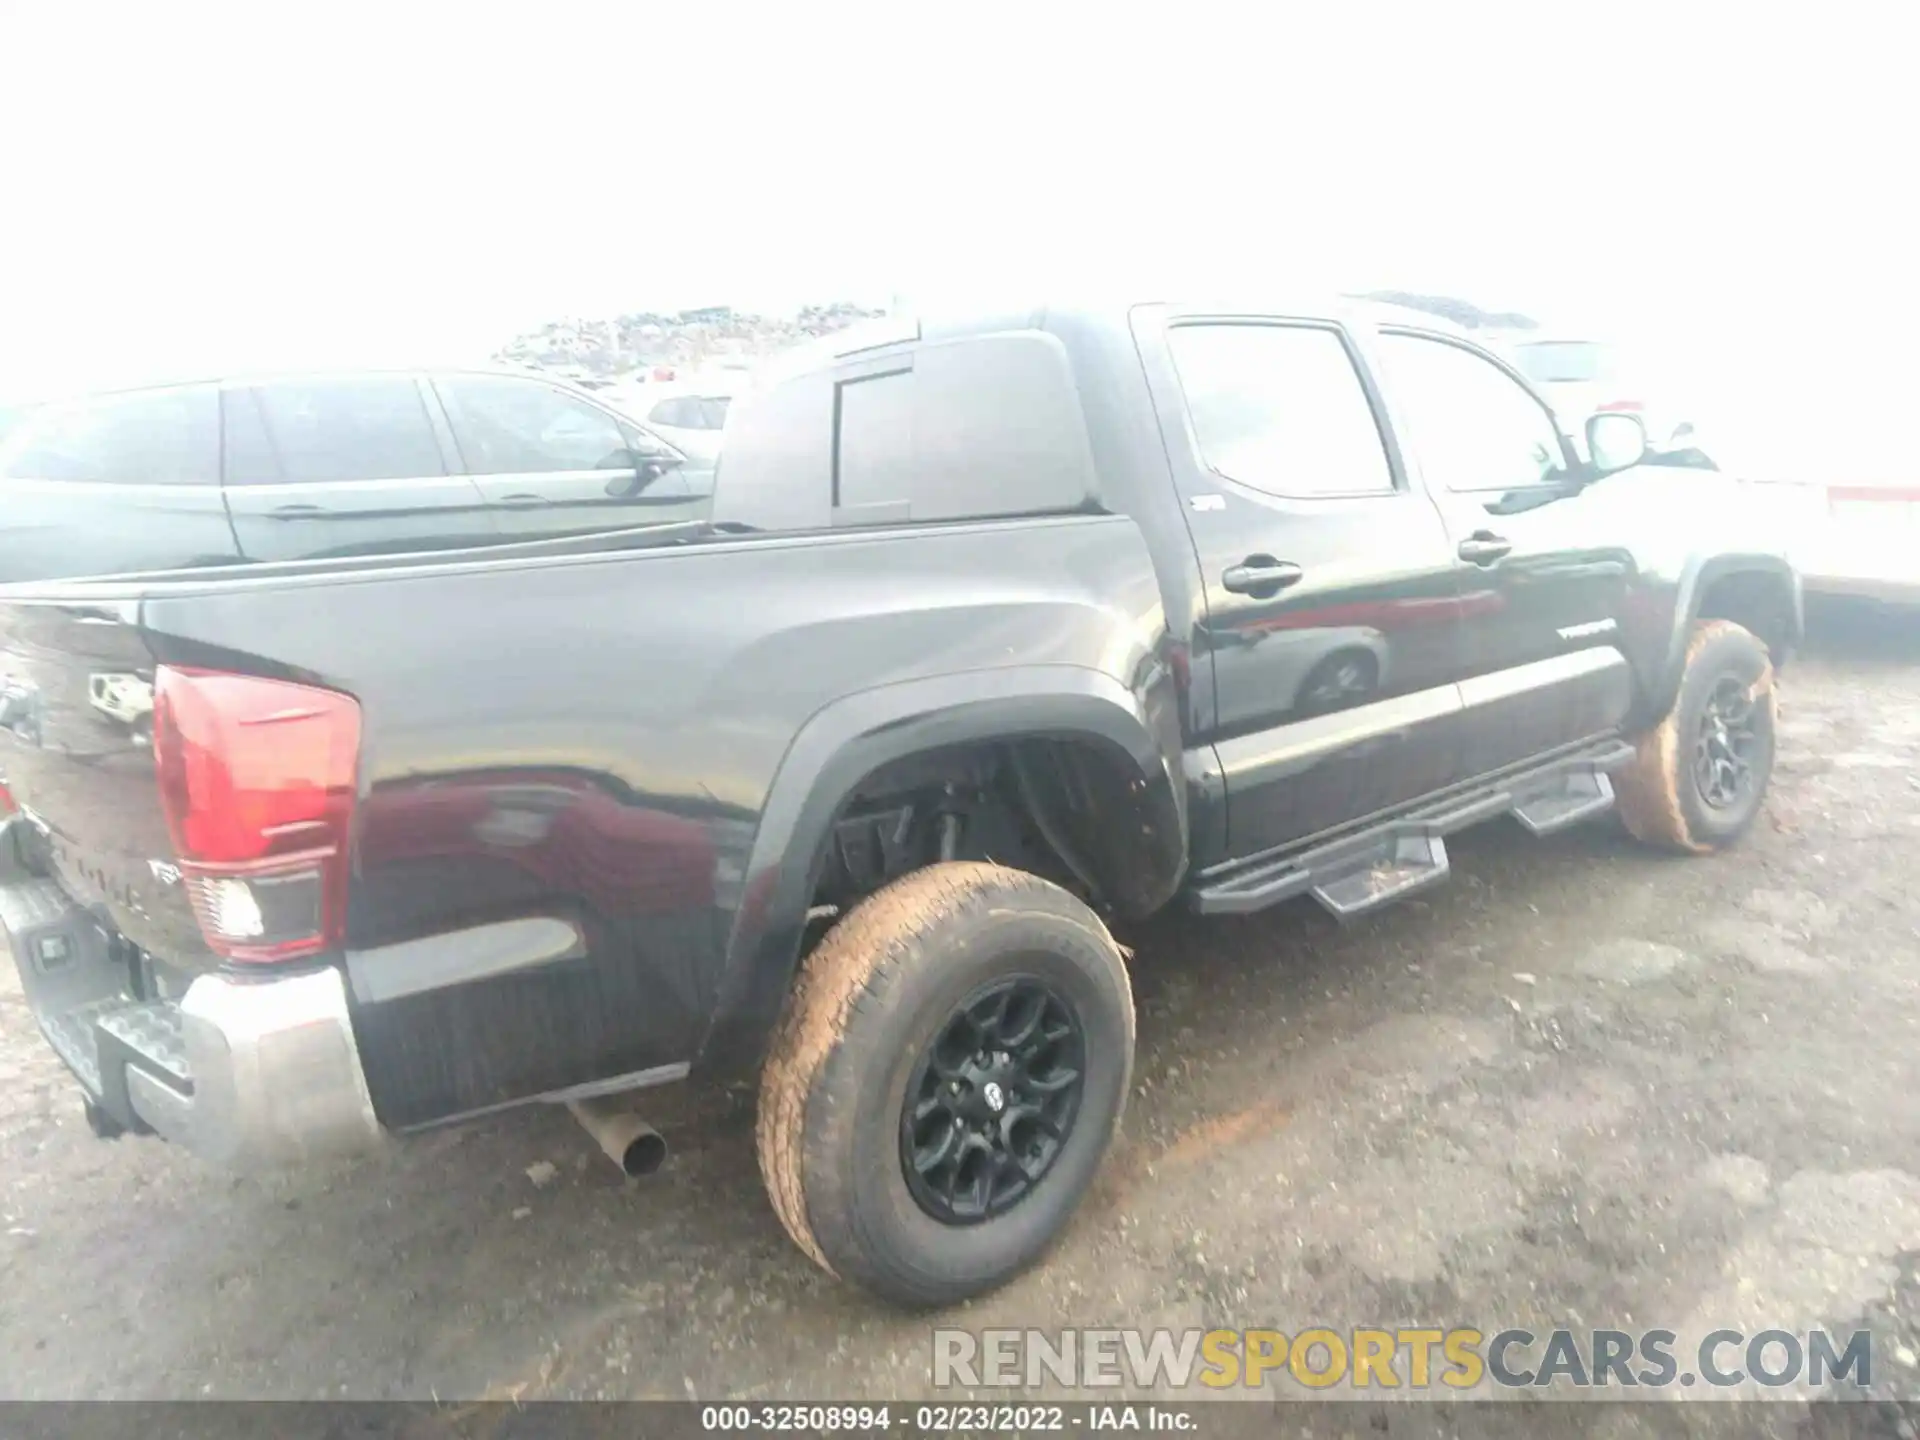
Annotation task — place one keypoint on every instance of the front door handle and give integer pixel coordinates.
(297, 512)
(525, 502)
(1261, 576)
(1484, 549)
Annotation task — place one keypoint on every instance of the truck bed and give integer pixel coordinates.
(567, 753)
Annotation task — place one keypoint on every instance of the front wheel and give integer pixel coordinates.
(945, 1080)
(1699, 777)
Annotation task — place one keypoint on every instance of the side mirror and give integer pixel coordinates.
(647, 468)
(1616, 441)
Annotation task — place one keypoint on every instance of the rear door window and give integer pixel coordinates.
(155, 437)
(372, 427)
(1280, 409)
(508, 426)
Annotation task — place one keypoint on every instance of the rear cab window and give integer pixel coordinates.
(964, 429)
(978, 427)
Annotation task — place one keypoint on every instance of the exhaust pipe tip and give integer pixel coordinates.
(627, 1140)
(646, 1154)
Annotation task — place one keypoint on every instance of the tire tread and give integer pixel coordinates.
(849, 972)
(1647, 789)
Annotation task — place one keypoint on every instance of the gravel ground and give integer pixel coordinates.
(1580, 1084)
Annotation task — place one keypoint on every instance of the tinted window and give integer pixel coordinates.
(966, 429)
(372, 427)
(514, 427)
(1473, 426)
(161, 437)
(713, 412)
(1281, 409)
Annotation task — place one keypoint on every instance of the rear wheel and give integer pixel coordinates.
(948, 1074)
(1700, 776)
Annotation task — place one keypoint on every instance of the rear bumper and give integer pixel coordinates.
(246, 1072)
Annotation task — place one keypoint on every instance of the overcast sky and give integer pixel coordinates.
(195, 186)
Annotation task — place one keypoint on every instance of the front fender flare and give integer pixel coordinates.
(1695, 581)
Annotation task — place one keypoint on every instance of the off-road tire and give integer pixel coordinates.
(1659, 799)
(864, 1008)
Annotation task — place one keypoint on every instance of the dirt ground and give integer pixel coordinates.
(1579, 1084)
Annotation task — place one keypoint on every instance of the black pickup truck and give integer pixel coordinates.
(1004, 625)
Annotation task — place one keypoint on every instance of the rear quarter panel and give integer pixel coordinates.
(594, 740)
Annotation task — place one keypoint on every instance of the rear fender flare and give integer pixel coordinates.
(848, 740)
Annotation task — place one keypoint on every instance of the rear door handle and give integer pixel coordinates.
(297, 512)
(1484, 549)
(1260, 576)
(524, 502)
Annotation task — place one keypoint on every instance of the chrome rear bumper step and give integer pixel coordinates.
(245, 1070)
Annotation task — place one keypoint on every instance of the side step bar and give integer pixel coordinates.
(1359, 873)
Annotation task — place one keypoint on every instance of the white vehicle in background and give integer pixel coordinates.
(689, 413)
(1847, 517)
(1858, 538)
(1580, 376)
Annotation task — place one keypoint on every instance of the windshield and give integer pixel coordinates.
(1560, 362)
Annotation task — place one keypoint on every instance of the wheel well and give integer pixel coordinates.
(1761, 602)
(1043, 804)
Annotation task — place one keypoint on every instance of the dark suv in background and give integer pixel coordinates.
(307, 466)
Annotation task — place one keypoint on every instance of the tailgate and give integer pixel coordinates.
(76, 748)
(111, 960)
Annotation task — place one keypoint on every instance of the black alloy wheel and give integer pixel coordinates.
(992, 1102)
(951, 1067)
(1699, 777)
(1725, 745)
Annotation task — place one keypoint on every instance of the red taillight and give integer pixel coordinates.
(1619, 407)
(257, 780)
(6, 800)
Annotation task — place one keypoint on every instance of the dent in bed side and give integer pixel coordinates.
(1139, 864)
